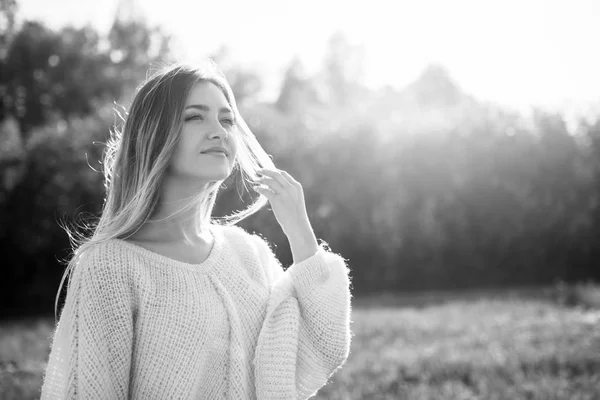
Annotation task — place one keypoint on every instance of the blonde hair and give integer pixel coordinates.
(136, 158)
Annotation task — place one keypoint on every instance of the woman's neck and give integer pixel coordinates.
(168, 222)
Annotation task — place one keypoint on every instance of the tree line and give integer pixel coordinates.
(423, 187)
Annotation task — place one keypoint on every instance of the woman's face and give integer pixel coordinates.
(208, 122)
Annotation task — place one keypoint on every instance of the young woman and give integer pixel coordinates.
(166, 302)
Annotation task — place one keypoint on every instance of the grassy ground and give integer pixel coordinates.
(431, 346)
(482, 349)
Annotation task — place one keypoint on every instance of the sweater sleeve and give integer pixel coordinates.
(306, 334)
(91, 348)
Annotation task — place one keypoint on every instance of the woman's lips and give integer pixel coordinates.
(216, 153)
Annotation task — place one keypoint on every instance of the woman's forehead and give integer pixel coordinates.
(207, 93)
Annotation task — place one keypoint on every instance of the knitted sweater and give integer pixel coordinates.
(139, 325)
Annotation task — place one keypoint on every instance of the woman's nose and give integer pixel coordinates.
(219, 132)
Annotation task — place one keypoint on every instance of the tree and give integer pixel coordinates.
(68, 73)
(297, 91)
(245, 83)
(343, 70)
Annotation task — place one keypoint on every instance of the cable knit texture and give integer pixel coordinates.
(139, 325)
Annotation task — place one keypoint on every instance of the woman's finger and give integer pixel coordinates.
(273, 184)
(290, 178)
(282, 184)
(265, 191)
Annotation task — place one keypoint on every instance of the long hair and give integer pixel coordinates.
(137, 156)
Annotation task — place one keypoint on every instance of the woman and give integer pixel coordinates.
(165, 302)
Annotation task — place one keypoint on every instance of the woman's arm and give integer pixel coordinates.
(91, 349)
(306, 334)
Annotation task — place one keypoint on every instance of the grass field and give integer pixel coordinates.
(499, 346)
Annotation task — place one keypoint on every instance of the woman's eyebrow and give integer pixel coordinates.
(204, 107)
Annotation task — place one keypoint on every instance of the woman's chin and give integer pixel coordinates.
(219, 175)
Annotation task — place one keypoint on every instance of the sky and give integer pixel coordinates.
(516, 53)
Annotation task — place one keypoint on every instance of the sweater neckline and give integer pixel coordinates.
(213, 258)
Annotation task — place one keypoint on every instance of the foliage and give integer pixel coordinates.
(71, 72)
(420, 188)
(57, 89)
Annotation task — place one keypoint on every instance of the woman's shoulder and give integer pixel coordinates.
(239, 234)
(95, 265)
(102, 257)
(92, 251)
(252, 250)
(242, 239)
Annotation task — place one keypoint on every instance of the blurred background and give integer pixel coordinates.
(449, 150)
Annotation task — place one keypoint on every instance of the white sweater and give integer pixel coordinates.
(140, 325)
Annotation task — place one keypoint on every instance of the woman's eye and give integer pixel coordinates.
(193, 117)
(228, 121)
